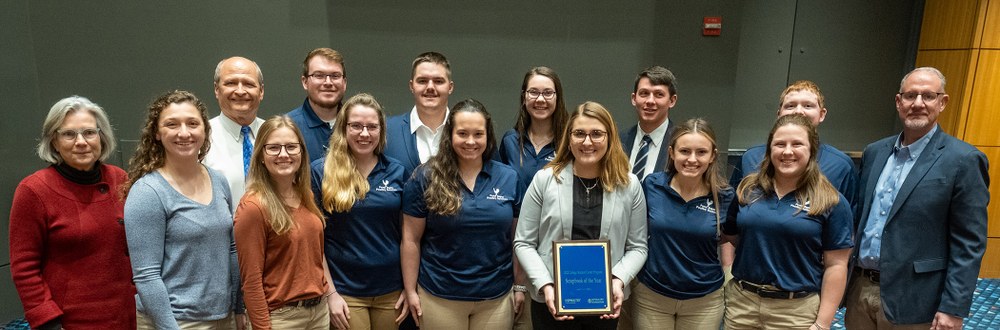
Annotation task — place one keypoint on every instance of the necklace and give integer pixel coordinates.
(588, 189)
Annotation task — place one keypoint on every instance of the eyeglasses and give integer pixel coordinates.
(548, 94)
(595, 136)
(321, 77)
(89, 134)
(358, 127)
(275, 149)
(928, 97)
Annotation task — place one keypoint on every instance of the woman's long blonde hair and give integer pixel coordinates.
(614, 167)
(812, 187)
(343, 184)
(260, 181)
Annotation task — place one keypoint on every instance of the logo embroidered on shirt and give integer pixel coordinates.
(802, 207)
(551, 157)
(707, 207)
(496, 195)
(385, 187)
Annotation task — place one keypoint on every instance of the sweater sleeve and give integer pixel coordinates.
(28, 240)
(251, 232)
(145, 231)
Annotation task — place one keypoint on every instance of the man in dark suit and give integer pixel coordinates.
(412, 138)
(921, 218)
(654, 93)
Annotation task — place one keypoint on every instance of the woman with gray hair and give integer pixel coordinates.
(66, 221)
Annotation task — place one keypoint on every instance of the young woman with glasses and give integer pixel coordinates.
(586, 192)
(361, 191)
(279, 235)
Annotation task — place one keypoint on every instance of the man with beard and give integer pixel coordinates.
(325, 81)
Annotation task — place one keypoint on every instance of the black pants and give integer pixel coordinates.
(541, 319)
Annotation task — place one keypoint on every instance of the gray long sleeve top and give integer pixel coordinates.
(183, 255)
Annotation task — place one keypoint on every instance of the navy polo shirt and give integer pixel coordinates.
(315, 131)
(837, 166)
(468, 256)
(782, 246)
(362, 245)
(683, 240)
(526, 161)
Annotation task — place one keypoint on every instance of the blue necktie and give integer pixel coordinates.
(247, 149)
(640, 157)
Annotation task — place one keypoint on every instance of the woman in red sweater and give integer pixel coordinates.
(68, 254)
(279, 236)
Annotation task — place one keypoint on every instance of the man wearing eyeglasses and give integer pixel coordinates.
(239, 88)
(325, 81)
(921, 218)
(412, 138)
(654, 94)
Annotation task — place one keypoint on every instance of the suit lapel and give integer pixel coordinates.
(566, 201)
(627, 139)
(874, 171)
(923, 164)
(410, 142)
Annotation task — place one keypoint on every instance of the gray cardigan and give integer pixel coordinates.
(547, 215)
(183, 255)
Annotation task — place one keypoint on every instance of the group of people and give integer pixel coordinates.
(334, 216)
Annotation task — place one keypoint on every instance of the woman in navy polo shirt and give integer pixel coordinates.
(458, 220)
(680, 287)
(530, 144)
(586, 192)
(361, 190)
(794, 237)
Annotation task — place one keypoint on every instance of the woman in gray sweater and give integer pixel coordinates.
(178, 223)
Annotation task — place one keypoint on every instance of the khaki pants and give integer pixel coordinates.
(311, 318)
(651, 310)
(523, 321)
(864, 307)
(440, 313)
(747, 310)
(227, 323)
(373, 313)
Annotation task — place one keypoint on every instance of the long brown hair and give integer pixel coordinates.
(812, 186)
(149, 154)
(614, 169)
(523, 122)
(443, 195)
(712, 178)
(260, 181)
(342, 183)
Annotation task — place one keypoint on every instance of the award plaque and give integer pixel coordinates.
(582, 277)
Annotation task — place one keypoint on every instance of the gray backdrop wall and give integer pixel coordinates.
(121, 55)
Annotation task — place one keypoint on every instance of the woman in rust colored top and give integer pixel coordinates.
(279, 235)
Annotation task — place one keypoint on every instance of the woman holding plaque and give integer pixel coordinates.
(362, 192)
(680, 287)
(794, 237)
(585, 193)
(458, 220)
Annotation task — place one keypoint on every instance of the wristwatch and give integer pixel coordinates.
(520, 288)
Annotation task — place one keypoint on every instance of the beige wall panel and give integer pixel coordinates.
(991, 261)
(949, 24)
(954, 64)
(983, 127)
(991, 31)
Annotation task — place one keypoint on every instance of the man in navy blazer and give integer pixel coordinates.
(921, 218)
(413, 137)
(654, 93)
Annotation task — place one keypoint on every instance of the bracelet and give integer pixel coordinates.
(819, 326)
(328, 294)
(520, 288)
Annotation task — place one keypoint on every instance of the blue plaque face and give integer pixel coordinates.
(583, 277)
